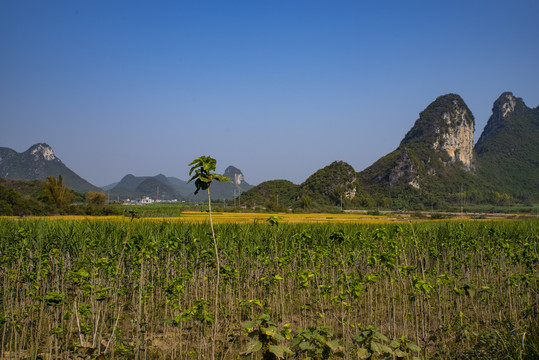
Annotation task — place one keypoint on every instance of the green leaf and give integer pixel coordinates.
(380, 336)
(360, 338)
(252, 347)
(296, 341)
(256, 302)
(319, 338)
(269, 331)
(400, 353)
(221, 178)
(376, 347)
(206, 179)
(386, 349)
(201, 185)
(192, 178)
(333, 345)
(54, 298)
(248, 325)
(279, 350)
(363, 353)
(305, 346)
(414, 348)
(83, 273)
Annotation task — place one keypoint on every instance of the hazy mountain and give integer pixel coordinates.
(168, 188)
(38, 162)
(109, 186)
(133, 187)
(156, 188)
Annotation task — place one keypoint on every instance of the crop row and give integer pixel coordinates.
(144, 290)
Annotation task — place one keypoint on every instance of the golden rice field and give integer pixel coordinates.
(245, 218)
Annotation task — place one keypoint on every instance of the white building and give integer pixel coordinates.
(146, 201)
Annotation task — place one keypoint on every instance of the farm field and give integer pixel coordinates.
(259, 218)
(314, 286)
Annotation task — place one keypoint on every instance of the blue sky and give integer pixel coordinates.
(276, 88)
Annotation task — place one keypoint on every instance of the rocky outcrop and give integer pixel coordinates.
(44, 151)
(404, 171)
(457, 139)
(447, 126)
(502, 109)
(439, 144)
(235, 175)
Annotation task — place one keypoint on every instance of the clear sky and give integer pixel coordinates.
(277, 88)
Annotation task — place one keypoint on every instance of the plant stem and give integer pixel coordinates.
(218, 264)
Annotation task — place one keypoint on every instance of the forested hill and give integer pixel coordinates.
(508, 149)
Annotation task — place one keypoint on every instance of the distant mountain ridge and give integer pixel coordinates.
(37, 163)
(40, 161)
(436, 163)
(169, 188)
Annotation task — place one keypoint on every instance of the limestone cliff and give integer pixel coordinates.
(235, 175)
(503, 107)
(439, 143)
(447, 126)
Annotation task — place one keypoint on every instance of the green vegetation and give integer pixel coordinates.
(330, 184)
(57, 194)
(19, 198)
(23, 198)
(144, 290)
(274, 195)
(508, 158)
